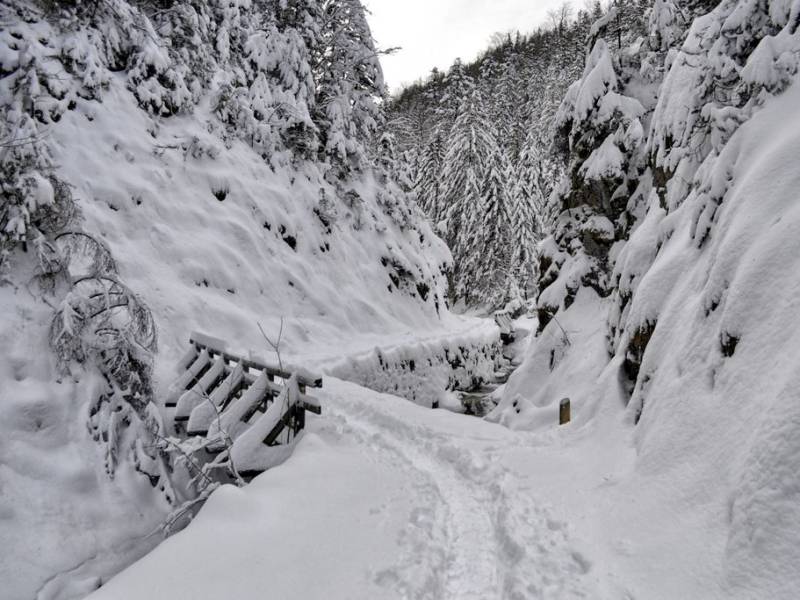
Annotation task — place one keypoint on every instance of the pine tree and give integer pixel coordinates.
(521, 81)
(457, 86)
(534, 179)
(463, 165)
(510, 107)
(474, 193)
(494, 227)
(282, 88)
(304, 17)
(428, 184)
(349, 81)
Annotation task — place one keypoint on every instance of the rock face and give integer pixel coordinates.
(665, 285)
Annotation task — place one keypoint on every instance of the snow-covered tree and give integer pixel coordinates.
(494, 230)
(457, 86)
(428, 184)
(522, 80)
(349, 82)
(281, 89)
(476, 200)
(33, 200)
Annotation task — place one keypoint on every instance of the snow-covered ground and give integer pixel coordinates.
(381, 499)
(385, 499)
(713, 415)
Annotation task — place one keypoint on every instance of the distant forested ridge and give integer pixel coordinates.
(478, 145)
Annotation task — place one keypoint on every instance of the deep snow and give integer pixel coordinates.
(384, 498)
(716, 446)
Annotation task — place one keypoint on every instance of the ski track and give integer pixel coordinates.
(473, 533)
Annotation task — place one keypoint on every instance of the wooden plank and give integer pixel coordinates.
(199, 391)
(206, 412)
(299, 419)
(305, 377)
(187, 359)
(310, 403)
(213, 376)
(188, 378)
(279, 427)
(314, 408)
(252, 399)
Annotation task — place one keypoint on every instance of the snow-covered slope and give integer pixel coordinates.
(59, 511)
(218, 221)
(679, 328)
(223, 265)
(722, 391)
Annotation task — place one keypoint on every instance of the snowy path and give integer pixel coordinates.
(383, 499)
(484, 537)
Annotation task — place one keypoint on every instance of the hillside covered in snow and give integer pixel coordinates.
(222, 166)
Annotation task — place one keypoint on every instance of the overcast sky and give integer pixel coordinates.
(433, 33)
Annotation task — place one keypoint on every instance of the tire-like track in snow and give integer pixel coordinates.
(474, 534)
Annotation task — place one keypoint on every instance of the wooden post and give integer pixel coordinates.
(563, 412)
(299, 411)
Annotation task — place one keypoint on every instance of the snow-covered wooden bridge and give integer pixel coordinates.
(253, 409)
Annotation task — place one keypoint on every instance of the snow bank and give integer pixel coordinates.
(383, 499)
(574, 344)
(325, 524)
(423, 370)
(721, 387)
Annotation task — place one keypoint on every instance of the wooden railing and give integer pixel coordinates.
(239, 403)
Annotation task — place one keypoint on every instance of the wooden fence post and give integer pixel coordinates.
(563, 412)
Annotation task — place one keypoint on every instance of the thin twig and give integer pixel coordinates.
(276, 346)
(563, 332)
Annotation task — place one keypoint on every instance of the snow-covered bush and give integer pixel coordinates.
(101, 326)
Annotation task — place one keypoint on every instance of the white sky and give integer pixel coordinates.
(433, 33)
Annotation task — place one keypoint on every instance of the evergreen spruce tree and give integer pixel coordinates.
(428, 184)
(521, 80)
(494, 229)
(473, 191)
(349, 81)
(456, 86)
(280, 59)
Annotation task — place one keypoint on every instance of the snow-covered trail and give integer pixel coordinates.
(482, 537)
(382, 499)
